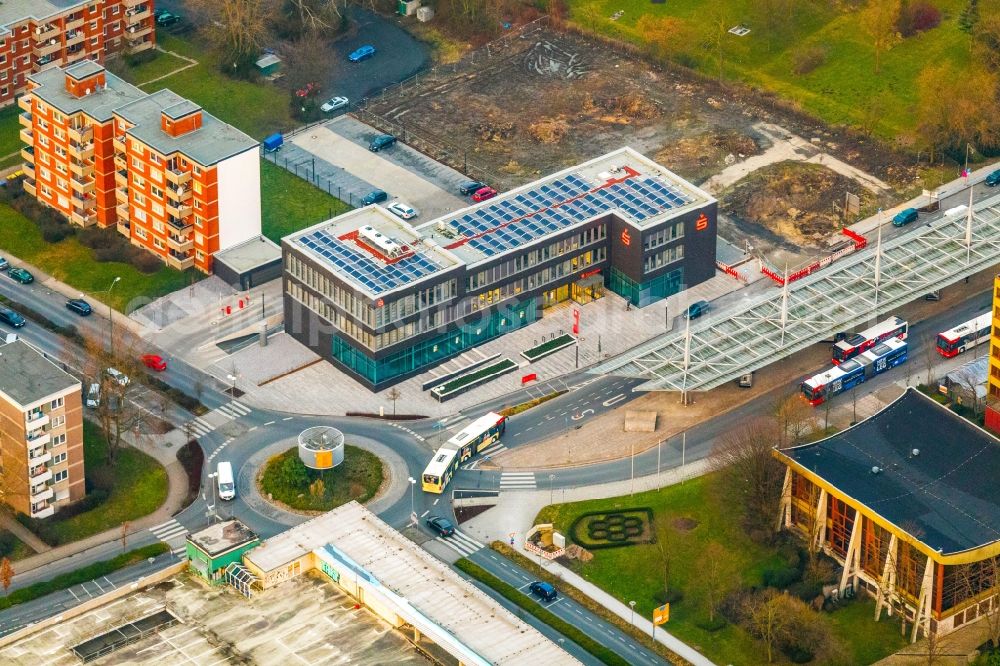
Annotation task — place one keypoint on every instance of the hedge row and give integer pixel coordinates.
(87, 573)
(514, 595)
(186, 401)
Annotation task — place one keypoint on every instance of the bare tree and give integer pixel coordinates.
(309, 59)
(300, 18)
(767, 619)
(720, 23)
(6, 574)
(125, 526)
(117, 371)
(930, 356)
(982, 579)
(394, 394)
(664, 542)
(792, 414)
(878, 21)
(718, 576)
(238, 26)
(750, 475)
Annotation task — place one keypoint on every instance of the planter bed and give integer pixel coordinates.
(462, 384)
(549, 347)
(448, 376)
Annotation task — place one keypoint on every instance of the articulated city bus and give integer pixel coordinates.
(471, 440)
(855, 343)
(965, 336)
(852, 372)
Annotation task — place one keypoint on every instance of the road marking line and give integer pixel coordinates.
(436, 501)
(611, 401)
(252, 429)
(425, 513)
(288, 418)
(269, 423)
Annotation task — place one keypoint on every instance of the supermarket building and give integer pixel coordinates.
(383, 299)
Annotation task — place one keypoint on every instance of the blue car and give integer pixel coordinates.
(365, 52)
(904, 217)
(374, 197)
(993, 178)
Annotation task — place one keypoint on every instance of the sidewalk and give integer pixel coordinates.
(176, 492)
(9, 523)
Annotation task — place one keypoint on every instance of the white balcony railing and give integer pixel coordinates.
(34, 420)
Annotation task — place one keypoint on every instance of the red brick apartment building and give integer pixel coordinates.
(38, 34)
(41, 432)
(172, 178)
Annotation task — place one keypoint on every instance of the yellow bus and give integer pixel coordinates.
(471, 440)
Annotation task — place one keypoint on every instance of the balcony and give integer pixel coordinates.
(41, 494)
(75, 53)
(132, 3)
(84, 203)
(35, 420)
(179, 224)
(140, 30)
(27, 137)
(179, 211)
(178, 177)
(82, 169)
(40, 438)
(179, 194)
(43, 511)
(121, 194)
(81, 151)
(82, 218)
(119, 144)
(28, 154)
(74, 23)
(42, 458)
(45, 33)
(47, 62)
(121, 210)
(74, 37)
(179, 261)
(39, 475)
(82, 185)
(29, 171)
(29, 186)
(24, 101)
(121, 178)
(183, 244)
(83, 134)
(25, 119)
(138, 14)
(48, 48)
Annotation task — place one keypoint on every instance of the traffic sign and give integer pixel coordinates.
(661, 615)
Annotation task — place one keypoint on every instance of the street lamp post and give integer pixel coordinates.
(232, 378)
(631, 605)
(552, 478)
(111, 315)
(413, 510)
(211, 481)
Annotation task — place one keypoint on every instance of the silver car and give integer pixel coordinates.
(333, 104)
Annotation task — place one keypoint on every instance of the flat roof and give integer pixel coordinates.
(27, 377)
(15, 11)
(341, 246)
(625, 182)
(249, 254)
(222, 537)
(385, 558)
(99, 104)
(211, 143)
(943, 496)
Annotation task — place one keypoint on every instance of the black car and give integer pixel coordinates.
(441, 525)
(20, 275)
(166, 19)
(374, 197)
(471, 187)
(696, 309)
(79, 306)
(381, 141)
(543, 591)
(11, 318)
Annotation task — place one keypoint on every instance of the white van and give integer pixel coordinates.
(227, 488)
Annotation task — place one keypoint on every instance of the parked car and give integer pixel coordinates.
(154, 362)
(465, 189)
(79, 306)
(118, 376)
(166, 19)
(402, 210)
(4, 264)
(484, 193)
(992, 178)
(543, 590)
(363, 53)
(746, 380)
(933, 295)
(904, 216)
(94, 396)
(159, 11)
(21, 275)
(381, 141)
(11, 318)
(696, 309)
(441, 525)
(333, 104)
(375, 196)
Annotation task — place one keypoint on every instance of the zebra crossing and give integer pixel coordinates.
(461, 543)
(169, 532)
(517, 481)
(202, 425)
(488, 452)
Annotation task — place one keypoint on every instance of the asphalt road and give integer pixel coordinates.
(566, 609)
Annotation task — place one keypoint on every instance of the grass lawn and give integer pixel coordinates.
(289, 203)
(160, 65)
(73, 263)
(13, 548)
(837, 91)
(287, 480)
(10, 140)
(632, 573)
(138, 486)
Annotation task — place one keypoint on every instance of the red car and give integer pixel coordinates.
(484, 193)
(154, 362)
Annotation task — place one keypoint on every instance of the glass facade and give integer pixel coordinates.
(642, 294)
(492, 324)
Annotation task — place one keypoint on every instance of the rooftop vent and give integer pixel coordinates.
(379, 241)
(915, 452)
(876, 469)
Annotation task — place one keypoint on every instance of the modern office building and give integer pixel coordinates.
(384, 299)
(993, 376)
(41, 433)
(905, 501)
(39, 34)
(174, 179)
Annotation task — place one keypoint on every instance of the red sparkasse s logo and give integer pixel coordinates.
(701, 223)
(626, 239)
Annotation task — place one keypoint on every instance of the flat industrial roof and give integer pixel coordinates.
(27, 377)
(99, 104)
(249, 254)
(936, 472)
(221, 537)
(15, 11)
(429, 586)
(339, 244)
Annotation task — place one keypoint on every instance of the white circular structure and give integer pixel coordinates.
(321, 447)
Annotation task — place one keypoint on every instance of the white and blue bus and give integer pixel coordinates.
(848, 374)
(471, 440)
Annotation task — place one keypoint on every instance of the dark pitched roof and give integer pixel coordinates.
(947, 495)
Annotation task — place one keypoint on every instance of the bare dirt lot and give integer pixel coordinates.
(533, 104)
